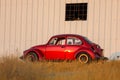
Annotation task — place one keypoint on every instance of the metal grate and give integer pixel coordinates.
(76, 11)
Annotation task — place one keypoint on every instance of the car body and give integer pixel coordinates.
(65, 47)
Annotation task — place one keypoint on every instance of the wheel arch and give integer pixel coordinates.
(37, 52)
(88, 52)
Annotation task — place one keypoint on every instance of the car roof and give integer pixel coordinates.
(68, 35)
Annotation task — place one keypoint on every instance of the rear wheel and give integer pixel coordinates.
(31, 57)
(84, 58)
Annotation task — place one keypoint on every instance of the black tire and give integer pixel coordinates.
(84, 58)
(31, 57)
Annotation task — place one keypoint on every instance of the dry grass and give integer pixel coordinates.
(12, 68)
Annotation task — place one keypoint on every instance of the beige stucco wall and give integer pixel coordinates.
(24, 23)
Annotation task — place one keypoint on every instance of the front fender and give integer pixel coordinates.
(38, 53)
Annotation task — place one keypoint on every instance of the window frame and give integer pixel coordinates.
(76, 11)
(57, 40)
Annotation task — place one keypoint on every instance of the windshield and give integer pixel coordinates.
(88, 40)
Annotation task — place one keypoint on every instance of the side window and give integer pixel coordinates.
(53, 41)
(73, 41)
(57, 41)
(69, 41)
(61, 42)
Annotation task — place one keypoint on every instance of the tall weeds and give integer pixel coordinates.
(11, 68)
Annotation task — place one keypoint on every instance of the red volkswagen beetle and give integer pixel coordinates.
(65, 47)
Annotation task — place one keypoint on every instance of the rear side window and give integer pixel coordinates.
(73, 41)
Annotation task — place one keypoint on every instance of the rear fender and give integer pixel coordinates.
(89, 52)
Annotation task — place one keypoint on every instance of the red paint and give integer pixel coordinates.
(66, 47)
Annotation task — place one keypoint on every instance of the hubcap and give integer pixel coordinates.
(83, 58)
(30, 58)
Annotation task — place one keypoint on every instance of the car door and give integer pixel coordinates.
(72, 45)
(55, 49)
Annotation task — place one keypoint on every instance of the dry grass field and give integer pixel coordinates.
(12, 68)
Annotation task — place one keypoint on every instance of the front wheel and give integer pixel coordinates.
(31, 57)
(84, 58)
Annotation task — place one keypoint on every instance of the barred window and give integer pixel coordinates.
(76, 11)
